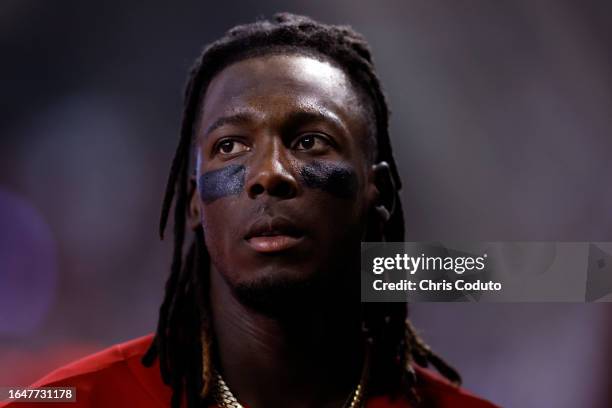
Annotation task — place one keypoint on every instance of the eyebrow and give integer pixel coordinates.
(302, 117)
(233, 119)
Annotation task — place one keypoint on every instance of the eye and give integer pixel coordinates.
(311, 141)
(230, 146)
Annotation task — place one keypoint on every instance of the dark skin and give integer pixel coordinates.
(285, 191)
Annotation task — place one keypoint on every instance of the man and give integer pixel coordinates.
(283, 167)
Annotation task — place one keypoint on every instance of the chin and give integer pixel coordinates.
(279, 291)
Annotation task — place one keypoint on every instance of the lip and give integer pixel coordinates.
(273, 243)
(273, 235)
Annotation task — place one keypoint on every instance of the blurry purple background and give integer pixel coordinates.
(502, 119)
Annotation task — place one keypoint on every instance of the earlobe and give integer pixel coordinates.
(385, 203)
(383, 213)
(193, 213)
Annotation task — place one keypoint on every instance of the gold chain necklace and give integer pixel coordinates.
(225, 399)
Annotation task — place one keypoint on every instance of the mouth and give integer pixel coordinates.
(273, 235)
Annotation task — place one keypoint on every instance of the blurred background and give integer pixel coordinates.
(502, 118)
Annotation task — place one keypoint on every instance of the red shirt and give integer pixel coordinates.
(116, 378)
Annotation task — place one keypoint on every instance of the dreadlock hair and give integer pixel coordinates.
(183, 340)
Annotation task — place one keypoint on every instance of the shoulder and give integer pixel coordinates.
(437, 391)
(112, 377)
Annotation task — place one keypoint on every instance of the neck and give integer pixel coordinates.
(312, 359)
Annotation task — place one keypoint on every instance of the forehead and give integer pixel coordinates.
(272, 86)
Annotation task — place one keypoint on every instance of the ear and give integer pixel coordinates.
(193, 213)
(384, 203)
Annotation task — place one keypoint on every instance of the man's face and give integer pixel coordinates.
(283, 182)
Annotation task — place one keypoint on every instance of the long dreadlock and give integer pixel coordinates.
(183, 338)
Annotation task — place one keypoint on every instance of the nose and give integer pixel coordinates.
(270, 173)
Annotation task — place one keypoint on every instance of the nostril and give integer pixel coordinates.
(283, 190)
(257, 189)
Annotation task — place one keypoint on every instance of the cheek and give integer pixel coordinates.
(339, 180)
(342, 216)
(219, 220)
(213, 185)
(223, 182)
(220, 231)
